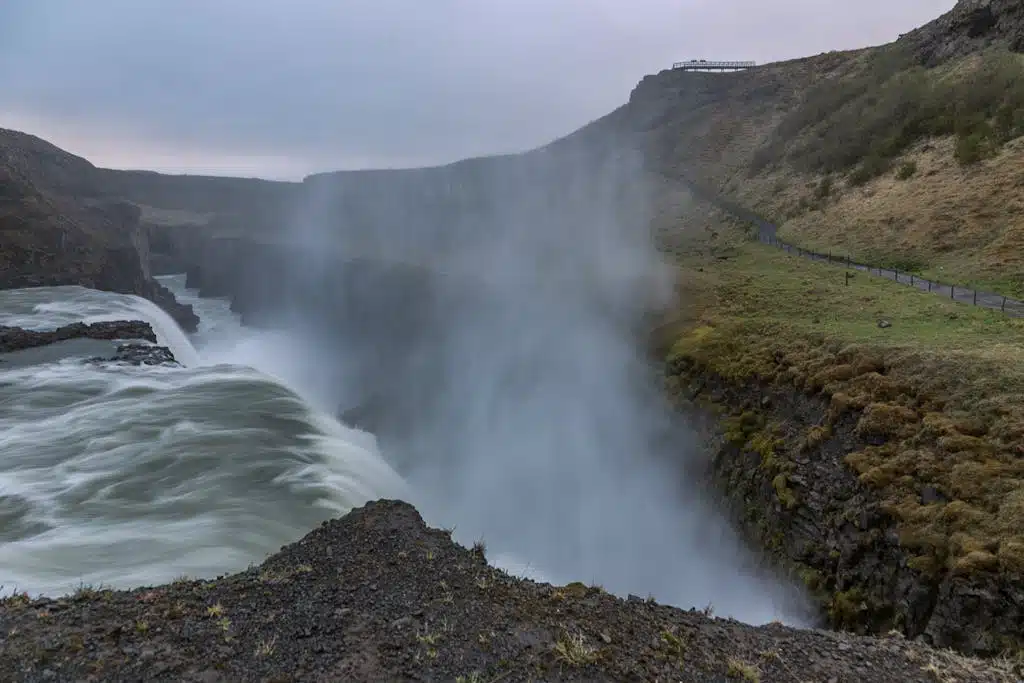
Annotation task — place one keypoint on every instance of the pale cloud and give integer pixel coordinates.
(280, 88)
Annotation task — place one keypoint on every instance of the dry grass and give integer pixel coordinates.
(945, 223)
(944, 387)
(903, 194)
(861, 153)
(739, 669)
(574, 650)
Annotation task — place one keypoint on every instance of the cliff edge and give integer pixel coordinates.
(56, 230)
(377, 595)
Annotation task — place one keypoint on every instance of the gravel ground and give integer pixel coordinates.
(378, 596)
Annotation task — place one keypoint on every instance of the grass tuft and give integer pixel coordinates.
(574, 650)
(736, 668)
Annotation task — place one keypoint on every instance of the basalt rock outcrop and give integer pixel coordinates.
(783, 461)
(133, 332)
(970, 26)
(18, 339)
(140, 354)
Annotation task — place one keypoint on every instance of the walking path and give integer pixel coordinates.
(768, 234)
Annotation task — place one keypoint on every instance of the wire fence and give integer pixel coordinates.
(767, 233)
(966, 295)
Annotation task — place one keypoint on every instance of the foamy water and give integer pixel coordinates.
(125, 476)
(120, 475)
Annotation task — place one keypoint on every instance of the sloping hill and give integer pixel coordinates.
(909, 153)
(54, 230)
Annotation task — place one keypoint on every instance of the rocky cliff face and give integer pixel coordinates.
(969, 27)
(56, 228)
(783, 465)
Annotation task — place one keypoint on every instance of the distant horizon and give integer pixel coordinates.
(229, 90)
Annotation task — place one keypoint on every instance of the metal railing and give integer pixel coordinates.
(767, 233)
(965, 295)
(698, 64)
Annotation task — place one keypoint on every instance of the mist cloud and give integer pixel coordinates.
(279, 88)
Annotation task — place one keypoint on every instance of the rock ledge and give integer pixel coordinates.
(376, 595)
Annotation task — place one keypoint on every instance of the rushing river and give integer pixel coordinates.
(119, 475)
(124, 476)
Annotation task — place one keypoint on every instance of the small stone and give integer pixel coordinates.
(766, 401)
(884, 324)
(843, 647)
(401, 622)
(930, 494)
(606, 638)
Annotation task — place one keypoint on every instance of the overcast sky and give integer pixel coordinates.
(280, 88)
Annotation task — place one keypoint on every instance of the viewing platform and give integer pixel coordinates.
(706, 65)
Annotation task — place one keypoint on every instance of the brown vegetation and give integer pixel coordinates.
(906, 155)
(936, 403)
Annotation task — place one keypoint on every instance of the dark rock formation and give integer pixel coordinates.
(56, 229)
(792, 493)
(140, 354)
(969, 27)
(378, 596)
(16, 338)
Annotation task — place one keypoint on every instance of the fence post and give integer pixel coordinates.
(975, 297)
(830, 256)
(847, 260)
(929, 285)
(1003, 307)
(896, 274)
(951, 292)
(911, 279)
(847, 278)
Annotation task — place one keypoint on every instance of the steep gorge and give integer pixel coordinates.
(399, 238)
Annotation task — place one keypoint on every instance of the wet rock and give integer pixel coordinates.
(141, 354)
(17, 338)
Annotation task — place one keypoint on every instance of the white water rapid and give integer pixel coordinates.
(124, 476)
(127, 476)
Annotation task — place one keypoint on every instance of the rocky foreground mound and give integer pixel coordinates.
(377, 596)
